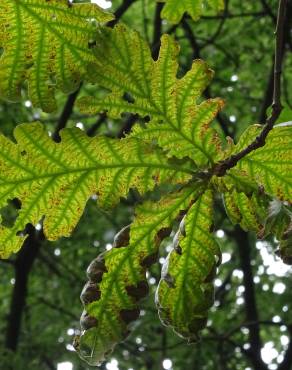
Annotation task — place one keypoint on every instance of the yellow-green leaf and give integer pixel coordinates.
(48, 44)
(178, 122)
(186, 292)
(174, 10)
(271, 165)
(249, 212)
(55, 180)
(122, 281)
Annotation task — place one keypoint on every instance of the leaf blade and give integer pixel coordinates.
(50, 182)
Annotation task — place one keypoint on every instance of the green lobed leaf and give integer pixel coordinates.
(270, 166)
(174, 10)
(55, 180)
(249, 211)
(186, 291)
(177, 122)
(121, 282)
(48, 44)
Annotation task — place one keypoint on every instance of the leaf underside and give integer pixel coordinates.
(178, 123)
(270, 166)
(48, 181)
(123, 282)
(48, 44)
(186, 291)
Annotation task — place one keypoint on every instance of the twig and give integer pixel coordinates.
(92, 129)
(65, 115)
(157, 30)
(221, 168)
(230, 16)
(120, 12)
(57, 308)
(221, 25)
(268, 10)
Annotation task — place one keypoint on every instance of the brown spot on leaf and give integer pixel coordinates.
(129, 315)
(162, 233)
(90, 293)
(211, 276)
(139, 291)
(87, 322)
(122, 238)
(149, 260)
(96, 269)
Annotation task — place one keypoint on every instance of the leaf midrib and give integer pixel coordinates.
(96, 168)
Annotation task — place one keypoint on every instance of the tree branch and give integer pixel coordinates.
(231, 16)
(120, 12)
(221, 168)
(251, 311)
(65, 115)
(23, 266)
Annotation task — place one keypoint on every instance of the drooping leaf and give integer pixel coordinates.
(271, 165)
(278, 219)
(285, 246)
(249, 211)
(248, 206)
(174, 10)
(186, 292)
(177, 122)
(279, 223)
(56, 180)
(48, 44)
(117, 278)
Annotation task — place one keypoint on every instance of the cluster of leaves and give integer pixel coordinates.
(178, 146)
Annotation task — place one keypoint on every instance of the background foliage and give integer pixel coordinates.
(250, 325)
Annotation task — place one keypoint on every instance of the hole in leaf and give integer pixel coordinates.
(9, 213)
(129, 98)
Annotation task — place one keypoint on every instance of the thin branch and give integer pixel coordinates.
(23, 265)
(221, 24)
(57, 308)
(251, 311)
(221, 168)
(120, 12)
(230, 16)
(65, 115)
(92, 130)
(145, 21)
(255, 323)
(268, 11)
(157, 30)
(258, 365)
(268, 95)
